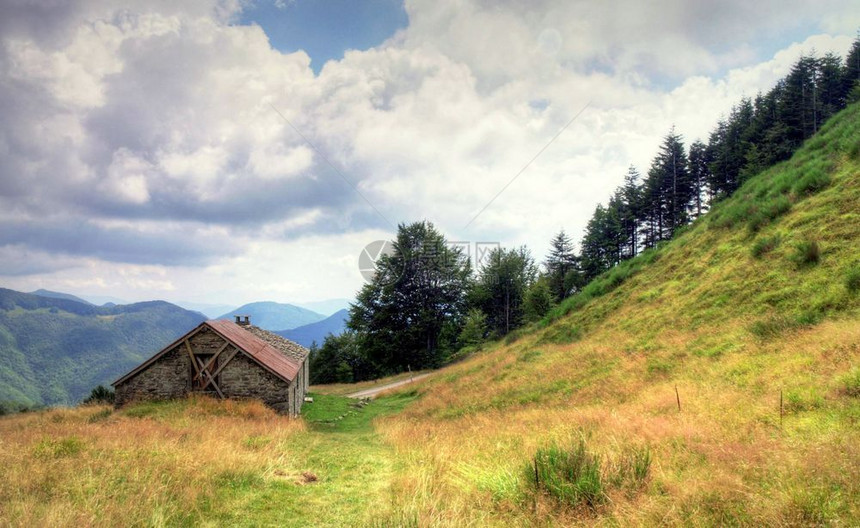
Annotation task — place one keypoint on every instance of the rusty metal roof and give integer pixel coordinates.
(280, 356)
(281, 364)
(294, 350)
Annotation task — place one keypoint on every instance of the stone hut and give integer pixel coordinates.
(226, 360)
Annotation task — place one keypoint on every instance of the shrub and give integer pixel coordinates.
(100, 395)
(765, 245)
(806, 253)
(852, 280)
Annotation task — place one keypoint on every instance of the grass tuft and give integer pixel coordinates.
(806, 253)
(852, 280)
(577, 477)
(571, 476)
(851, 383)
(765, 245)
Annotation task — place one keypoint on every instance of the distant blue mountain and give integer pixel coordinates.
(209, 310)
(305, 335)
(327, 307)
(275, 316)
(58, 295)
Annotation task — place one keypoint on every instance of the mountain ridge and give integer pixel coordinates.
(316, 332)
(275, 316)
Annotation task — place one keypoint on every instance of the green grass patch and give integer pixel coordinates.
(777, 325)
(603, 284)
(58, 447)
(340, 414)
(808, 399)
(656, 366)
(529, 355)
(561, 334)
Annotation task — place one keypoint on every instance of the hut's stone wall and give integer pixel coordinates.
(170, 376)
(244, 378)
(166, 378)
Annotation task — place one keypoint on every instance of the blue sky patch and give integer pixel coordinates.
(326, 29)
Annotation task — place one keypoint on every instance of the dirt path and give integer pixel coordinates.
(370, 393)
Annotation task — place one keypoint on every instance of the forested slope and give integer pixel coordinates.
(54, 351)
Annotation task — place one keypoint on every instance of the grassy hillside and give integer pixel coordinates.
(54, 350)
(684, 352)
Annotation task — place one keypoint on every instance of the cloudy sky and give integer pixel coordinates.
(226, 151)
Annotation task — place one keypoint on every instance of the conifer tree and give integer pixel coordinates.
(559, 263)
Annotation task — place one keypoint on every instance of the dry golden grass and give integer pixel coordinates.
(90, 466)
(723, 459)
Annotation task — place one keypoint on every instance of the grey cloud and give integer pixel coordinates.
(70, 237)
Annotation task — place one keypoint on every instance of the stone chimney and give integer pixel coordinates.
(243, 322)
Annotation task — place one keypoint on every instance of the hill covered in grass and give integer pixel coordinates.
(55, 350)
(730, 355)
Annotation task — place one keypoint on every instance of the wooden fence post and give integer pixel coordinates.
(678, 398)
(781, 408)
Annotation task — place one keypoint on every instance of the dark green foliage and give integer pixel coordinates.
(852, 280)
(54, 351)
(538, 301)
(410, 315)
(765, 245)
(806, 253)
(100, 395)
(14, 407)
(474, 328)
(339, 360)
(560, 262)
(501, 287)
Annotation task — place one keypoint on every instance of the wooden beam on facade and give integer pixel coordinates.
(212, 360)
(191, 357)
(221, 367)
(211, 379)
